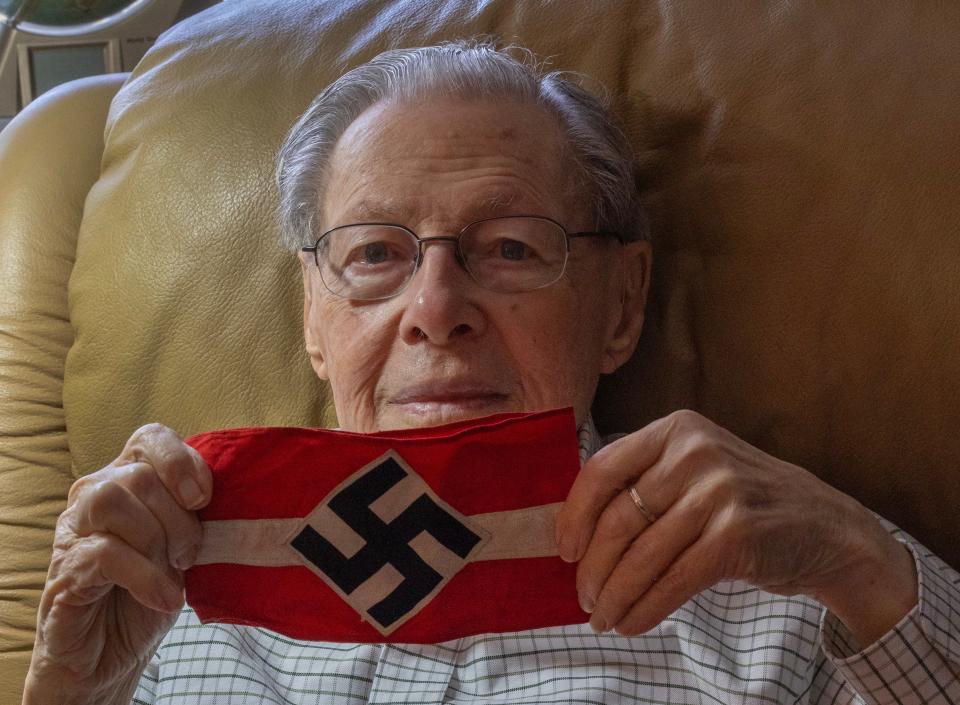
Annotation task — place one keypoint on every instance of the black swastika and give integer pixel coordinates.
(385, 542)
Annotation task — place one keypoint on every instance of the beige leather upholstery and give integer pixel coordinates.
(49, 158)
(799, 163)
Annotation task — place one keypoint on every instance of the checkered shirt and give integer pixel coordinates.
(730, 644)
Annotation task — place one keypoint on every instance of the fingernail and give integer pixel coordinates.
(598, 624)
(586, 604)
(190, 493)
(186, 559)
(170, 599)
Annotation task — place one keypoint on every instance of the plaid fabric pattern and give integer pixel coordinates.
(730, 644)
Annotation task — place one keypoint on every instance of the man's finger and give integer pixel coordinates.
(693, 572)
(617, 528)
(103, 560)
(110, 508)
(648, 558)
(180, 467)
(604, 475)
(132, 502)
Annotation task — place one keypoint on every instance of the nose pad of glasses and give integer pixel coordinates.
(457, 253)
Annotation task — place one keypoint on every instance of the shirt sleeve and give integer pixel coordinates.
(916, 662)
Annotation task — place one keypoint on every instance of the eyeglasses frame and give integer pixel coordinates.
(458, 253)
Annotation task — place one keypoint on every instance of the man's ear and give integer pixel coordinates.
(625, 326)
(311, 335)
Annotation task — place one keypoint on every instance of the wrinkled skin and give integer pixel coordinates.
(115, 582)
(726, 511)
(445, 348)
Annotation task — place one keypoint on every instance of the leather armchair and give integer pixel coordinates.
(799, 164)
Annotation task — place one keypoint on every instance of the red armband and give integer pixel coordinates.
(415, 536)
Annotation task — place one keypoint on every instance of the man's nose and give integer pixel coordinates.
(440, 303)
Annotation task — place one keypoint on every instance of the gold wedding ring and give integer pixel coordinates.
(641, 507)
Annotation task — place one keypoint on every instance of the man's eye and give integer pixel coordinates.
(514, 250)
(374, 253)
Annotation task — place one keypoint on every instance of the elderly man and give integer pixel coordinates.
(472, 243)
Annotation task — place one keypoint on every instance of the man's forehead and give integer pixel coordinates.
(444, 124)
(501, 159)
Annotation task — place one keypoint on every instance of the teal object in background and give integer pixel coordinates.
(60, 13)
(66, 17)
(44, 43)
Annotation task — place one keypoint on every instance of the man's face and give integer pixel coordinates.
(446, 349)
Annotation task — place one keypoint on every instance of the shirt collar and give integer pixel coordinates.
(589, 437)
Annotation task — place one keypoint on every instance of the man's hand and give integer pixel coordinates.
(115, 582)
(723, 510)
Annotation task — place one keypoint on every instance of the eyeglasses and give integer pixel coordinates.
(512, 254)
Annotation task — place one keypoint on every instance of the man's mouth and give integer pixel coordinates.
(448, 401)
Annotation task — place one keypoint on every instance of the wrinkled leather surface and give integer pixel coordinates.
(799, 161)
(49, 157)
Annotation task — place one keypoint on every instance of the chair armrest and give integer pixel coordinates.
(49, 158)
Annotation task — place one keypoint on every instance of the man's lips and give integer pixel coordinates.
(453, 393)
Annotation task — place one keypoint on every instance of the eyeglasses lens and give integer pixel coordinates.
(514, 254)
(367, 261)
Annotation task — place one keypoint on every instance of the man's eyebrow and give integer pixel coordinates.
(400, 212)
(497, 204)
(381, 210)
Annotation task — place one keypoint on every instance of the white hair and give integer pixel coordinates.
(471, 69)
